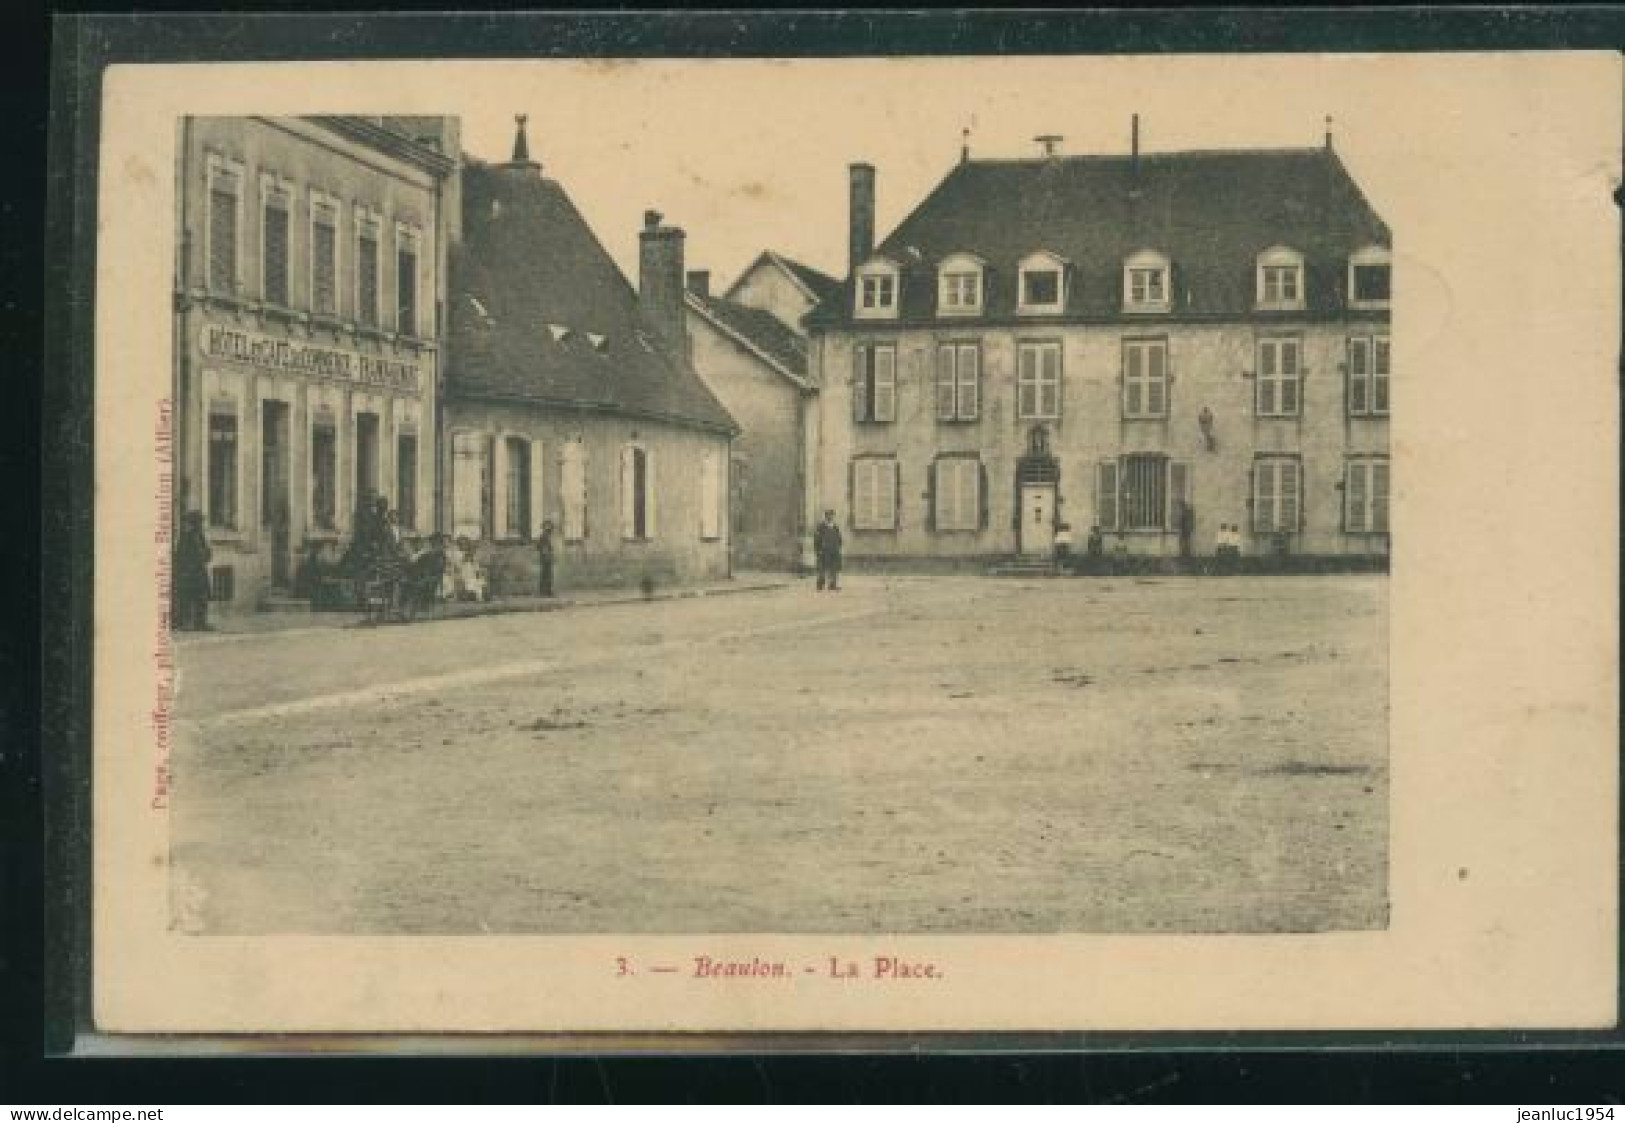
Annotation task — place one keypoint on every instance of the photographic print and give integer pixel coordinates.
(824, 544)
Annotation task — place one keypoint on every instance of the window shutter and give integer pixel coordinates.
(1132, 359)
(1155, 391)
(1263, 496)
(1106, 494)
(890, 494)
(499, 486)
(934, 504)
(885, 384)
(981, 496)
(860, 384)
(970, 381)
(1379, 376)
(537, 471)
(1178, 485)
(1354, 498)
(1291, 509)
(1359, 376)
(854, 517)
(1050, 395)
(628, 501)
(945, 382)
(649, 494)
(1379, 496)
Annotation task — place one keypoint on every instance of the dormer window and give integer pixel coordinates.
(1145, 283)
(959, 285)
(1042, 279)
(875, 295)
(1369, 277)
(1280, 279)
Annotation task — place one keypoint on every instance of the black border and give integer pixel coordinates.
(1126, 1067)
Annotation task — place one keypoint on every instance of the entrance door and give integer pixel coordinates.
(1038, 519)
(274, 513)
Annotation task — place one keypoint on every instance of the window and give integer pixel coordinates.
(1368, 376)
(223, 446)
(1279, 376)
(710, 495)
(1280, 279)
(956, 493)
(1369, 278)
(874, 493)
(877, 286)
(515, 466)
(959, 285)
(406, 280)
(324, 256)
(274, 229)
(1145, 378)
(366, 457)
(1277, 486)
(468, 485)
(225, 193)
(874, 382)
(1042, 287)
(637, 493)
(1365, 496)
(1145, 283)
(573, 491)
(959, 381)
(1141, 491)
(324, 470)
(1038, 380)
(406, 480)
(366, 269)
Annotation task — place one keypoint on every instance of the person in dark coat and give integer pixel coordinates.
(192, 556)
(544, 553)
(827, 548)
(1187, 527)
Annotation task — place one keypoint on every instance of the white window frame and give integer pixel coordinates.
(1041, 261)
(369, 221)
(1144, 265)
(219, 166)
(958, 381)
(323, 204)
(961, 285)
(1268, 508)
(1361, 509)
(1144, 381)
(1277, 378)
(866, 391)
(956, 493)
(1370, 255)
(1280, 262)
(872, 281)
(409, 236)
(1035, 380)
(874, 516)
(1369, 359)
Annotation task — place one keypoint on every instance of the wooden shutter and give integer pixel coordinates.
(1266, 377)
(885, 383)
(1178, 491)
(981, 496)
(1263, 496)
(629, 520)
(1355, 497)
(538, 466)
(499, 486)
(946, 383)
(1050, 381)
(863, 494)
(1359, 376)
(1290, 373)
(970, 381)
(650, 494)
(1157, 379)
(1290, 494)
(1106, 494)
(1133, 373)
(1379, 375)
(860, 383)
(1379, 496)
(892, 493)
(934, 519)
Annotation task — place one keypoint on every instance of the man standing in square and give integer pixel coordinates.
(544, 552)
(827, 546)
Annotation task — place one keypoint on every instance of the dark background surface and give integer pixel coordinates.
(53, 77)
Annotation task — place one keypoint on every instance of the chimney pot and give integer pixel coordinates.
(651, 219)
(860, 215)
(699, 282)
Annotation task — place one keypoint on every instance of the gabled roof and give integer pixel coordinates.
(759, 332)
(540, 312)
(819, 286)
(1211, 213)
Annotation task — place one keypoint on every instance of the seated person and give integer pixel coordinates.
(470, 577)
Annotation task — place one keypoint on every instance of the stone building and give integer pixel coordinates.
(308, 294)
(570, 396)
(750, 348)
(1099, 340)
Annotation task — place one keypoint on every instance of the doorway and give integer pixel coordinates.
(1037, 519)
(275, 516)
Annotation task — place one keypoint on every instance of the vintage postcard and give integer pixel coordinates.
(880, 544)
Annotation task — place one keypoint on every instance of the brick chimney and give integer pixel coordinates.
(861, 212)
(660, 281)
(699, 282)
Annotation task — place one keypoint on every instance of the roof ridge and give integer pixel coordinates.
(1081, 157)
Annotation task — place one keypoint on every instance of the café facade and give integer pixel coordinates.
(308, 301)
